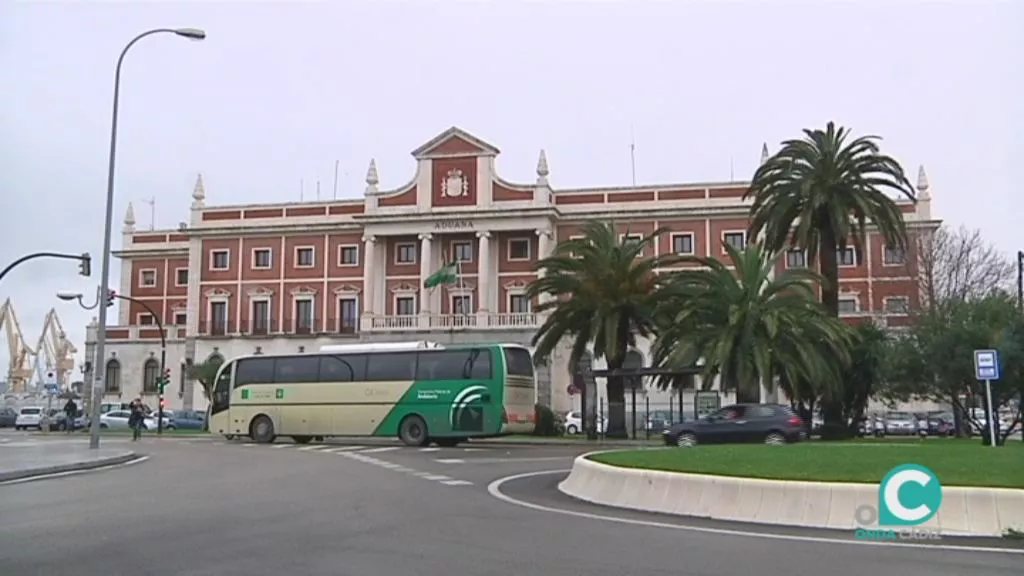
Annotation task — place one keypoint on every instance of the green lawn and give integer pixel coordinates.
(957, 462)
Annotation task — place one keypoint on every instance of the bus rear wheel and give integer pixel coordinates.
(262, 430)
(413, 431)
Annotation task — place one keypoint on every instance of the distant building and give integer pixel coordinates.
(292, 277)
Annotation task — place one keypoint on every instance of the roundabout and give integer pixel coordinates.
(891, 494)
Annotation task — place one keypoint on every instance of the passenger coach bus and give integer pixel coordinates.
(418, 391)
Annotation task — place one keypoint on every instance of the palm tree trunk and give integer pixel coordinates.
(831, 407)
(616, 402)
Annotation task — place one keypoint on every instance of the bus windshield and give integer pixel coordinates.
(221, 397)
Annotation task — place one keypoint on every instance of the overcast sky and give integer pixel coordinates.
(281, 90)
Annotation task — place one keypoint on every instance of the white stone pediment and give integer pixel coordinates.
(217, 293)
(304, 291)
(348, 290)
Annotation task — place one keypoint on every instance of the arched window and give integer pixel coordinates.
(150, 372)
(634, 361)
(112, 382)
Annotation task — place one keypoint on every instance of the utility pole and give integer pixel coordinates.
(1020, 280)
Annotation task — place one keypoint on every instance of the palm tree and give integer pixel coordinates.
(747, 326)
(819, 193)
(206, 374)
(603, 292)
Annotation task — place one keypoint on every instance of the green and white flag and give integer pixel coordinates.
(446, 276)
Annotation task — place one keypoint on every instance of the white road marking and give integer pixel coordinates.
(384, 449)
(311, 448)
(282, 445)
(429, 449)
(405, 469)
(449, 461)
(457, 483)
(345, 449)
(389, 465)
(494, 489)
(249, 444)
(436, 477)
(474, 449)
(423, 474)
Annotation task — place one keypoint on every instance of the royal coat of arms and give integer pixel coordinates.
(455, 184)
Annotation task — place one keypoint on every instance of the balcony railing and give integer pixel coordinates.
(274, 327)
(451, 322)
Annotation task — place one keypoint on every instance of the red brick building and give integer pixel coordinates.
(292, 277)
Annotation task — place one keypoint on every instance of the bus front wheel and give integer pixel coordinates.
(262, 430)
(413, 431)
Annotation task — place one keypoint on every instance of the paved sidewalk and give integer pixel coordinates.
(21, 460)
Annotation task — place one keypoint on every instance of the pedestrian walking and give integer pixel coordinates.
(70, 413)
(136, 418)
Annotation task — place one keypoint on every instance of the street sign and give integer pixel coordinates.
(52, 389)
(986, 365)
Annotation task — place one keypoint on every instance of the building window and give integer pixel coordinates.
(628, 239)
(348, 255)
(796, 259)
(218, 318)
(682, 244)
(896, 305)
(259, 319)
(220, 259)
(180, 318)
(405, 253)
(112, 378)
(181, 277)
(894, 256)
(261, 259)
(348, 314)
(305, 257)
(847, 256)
(304, 316)
(146, 319)
(147, 278)
(462, 251)
(848, 305)
(518, 249)
(150, 372)
(405, 305)
(462, 304)
(518, 304)
(737, 240)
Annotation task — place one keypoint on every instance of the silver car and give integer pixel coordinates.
(900, 424)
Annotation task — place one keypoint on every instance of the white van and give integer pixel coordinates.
(29, 417)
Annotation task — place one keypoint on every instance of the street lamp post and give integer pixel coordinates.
(1020, 280)
(101, 329)
(68, 296)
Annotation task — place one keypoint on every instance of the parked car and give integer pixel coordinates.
(739, 423)
(8, 416)
(29, 417)
(940, 424)
(118, 420)
(901, 424)
(186, 419)
(574, 423)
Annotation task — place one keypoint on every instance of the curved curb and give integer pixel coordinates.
(81, 466)
(831, 505)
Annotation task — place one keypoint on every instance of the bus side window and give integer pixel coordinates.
(343, 368)
(254, 371)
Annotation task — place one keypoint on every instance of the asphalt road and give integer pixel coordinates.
(209, 508)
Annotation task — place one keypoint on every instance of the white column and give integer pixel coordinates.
(543, 251)
(425, 272)
(369, 267)
(484, 272)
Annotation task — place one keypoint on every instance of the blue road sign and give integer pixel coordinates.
(52, 389)
(986, 364)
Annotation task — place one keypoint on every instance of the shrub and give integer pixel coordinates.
(546, 422)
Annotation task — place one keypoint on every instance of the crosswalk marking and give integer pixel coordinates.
(384, 449)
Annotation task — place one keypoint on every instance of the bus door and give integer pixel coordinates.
(474, 405)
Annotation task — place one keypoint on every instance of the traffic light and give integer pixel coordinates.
(85, 265)
(111, 296)
(164, 380)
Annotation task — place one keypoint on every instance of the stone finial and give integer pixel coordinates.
(542, 168)
(199, 193)
(922, 184)
(372, 179)
(764, 153)
(129, 218)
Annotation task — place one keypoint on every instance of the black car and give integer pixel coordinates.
(739, 423)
